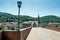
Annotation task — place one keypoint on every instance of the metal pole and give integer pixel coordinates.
(18, 18)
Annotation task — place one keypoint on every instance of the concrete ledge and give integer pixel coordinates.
(14, 35)
(0, 34)
(25, 33)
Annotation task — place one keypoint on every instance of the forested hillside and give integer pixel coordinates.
(50, 18)
(6, 17)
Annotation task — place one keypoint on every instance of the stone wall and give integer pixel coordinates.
(11, 35)
(14, 35)
(25, 33)
(0, 34)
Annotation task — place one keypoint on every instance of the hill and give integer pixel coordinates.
(6, 17)
(50, 18)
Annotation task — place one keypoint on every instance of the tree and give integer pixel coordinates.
(12, 28)
(38, 19)
(34, 24)
(0, 28)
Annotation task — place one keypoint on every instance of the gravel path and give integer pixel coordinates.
(43, 34)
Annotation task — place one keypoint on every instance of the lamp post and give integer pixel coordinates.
(19, 6)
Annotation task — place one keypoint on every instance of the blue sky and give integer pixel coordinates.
(31, 7)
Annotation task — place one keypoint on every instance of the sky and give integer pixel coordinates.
(31, 7)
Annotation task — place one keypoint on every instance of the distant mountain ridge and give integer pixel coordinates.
(50, 18)
(6, 17)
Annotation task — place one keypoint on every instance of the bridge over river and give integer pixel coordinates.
(39, 33)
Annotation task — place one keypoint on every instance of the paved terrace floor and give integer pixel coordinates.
(43, 34)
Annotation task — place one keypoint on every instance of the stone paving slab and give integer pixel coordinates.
(43, 34)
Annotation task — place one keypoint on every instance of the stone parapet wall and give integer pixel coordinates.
(25, 33)
(0, 34)
(15, 35)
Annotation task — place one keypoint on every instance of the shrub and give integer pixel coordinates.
(0, 28)
(12, 28)
(56, 26)
(34, 24)
(43, 26)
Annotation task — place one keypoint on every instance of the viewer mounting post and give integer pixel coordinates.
(19, 6)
